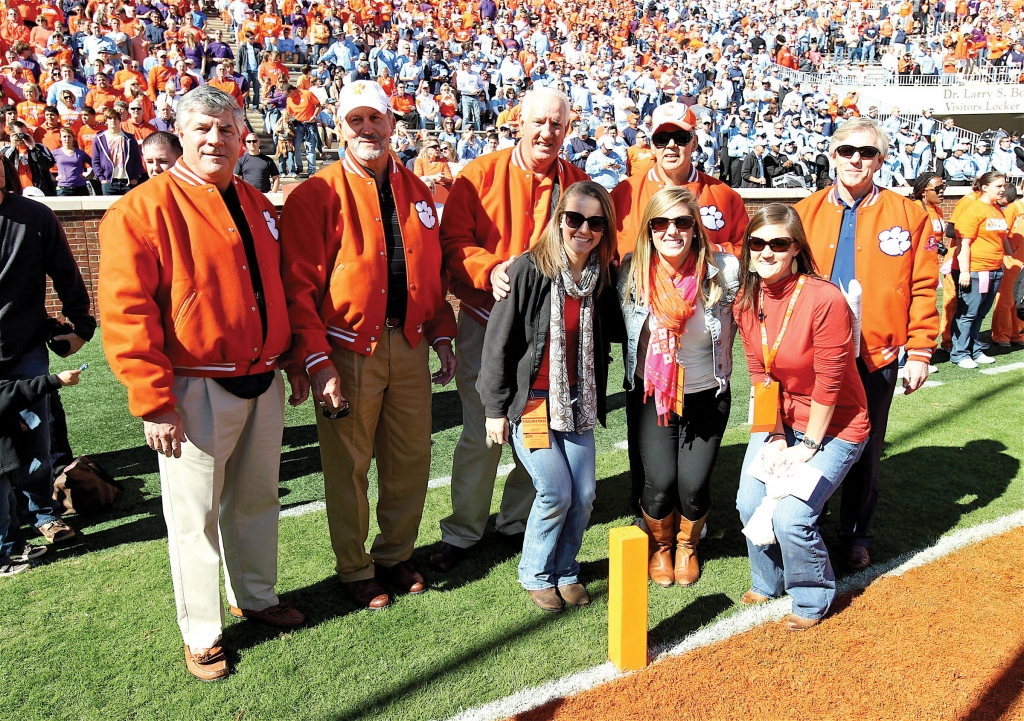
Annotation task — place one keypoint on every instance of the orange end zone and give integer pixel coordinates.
(943, 641)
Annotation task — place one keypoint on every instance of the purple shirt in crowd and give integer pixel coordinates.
(70, 168)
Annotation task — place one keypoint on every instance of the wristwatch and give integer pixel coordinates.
(811, 444)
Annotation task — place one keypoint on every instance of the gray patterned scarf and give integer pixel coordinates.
(559, 399)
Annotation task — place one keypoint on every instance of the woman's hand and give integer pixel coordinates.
(965, 280)
(497, 430)
(771, 451)
(788, 458)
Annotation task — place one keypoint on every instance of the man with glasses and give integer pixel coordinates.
(136, 125)
(256, 168)
(498, 208)
(885, 242)
(366, 299)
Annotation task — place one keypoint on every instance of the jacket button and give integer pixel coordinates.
(831, 246)
(382, 252)
(367, 350)
(255, 350)
(231, 230)
(377, 327)
(243, 267)
(377, 219)
(382, 290)
(254, 309)
(412, 287)
(373, 338)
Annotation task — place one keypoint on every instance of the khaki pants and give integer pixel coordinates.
(220, 504)
(390, 397)
(476, 458)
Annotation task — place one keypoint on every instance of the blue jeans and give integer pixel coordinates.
(470, 112)
(971, 308)
(564, 476)
(798, 564)
(35, 477)
(115, 187)
(305, 142)
(9, 523)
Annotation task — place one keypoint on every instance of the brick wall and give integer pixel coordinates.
(81, 218)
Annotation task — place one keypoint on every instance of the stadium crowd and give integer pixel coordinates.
(590, 218)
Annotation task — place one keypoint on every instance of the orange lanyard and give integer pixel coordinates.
(769, 356)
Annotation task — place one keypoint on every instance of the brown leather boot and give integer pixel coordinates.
(660, 536)
(687, 567)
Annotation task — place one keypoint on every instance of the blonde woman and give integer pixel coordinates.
(676, 294)
(545, 358)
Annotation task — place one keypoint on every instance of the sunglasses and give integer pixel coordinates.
(867, 152)
(345, 409)
(683, 222)
(778, 245)
(253, 142)
(433, 147)
(682, 137)
(574, 221)
(939, 188)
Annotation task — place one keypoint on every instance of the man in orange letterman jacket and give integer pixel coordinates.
(857, 230)
(366, 299)
(497, 209)
(195, 331)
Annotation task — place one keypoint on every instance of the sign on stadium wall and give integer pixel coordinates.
(970, 99)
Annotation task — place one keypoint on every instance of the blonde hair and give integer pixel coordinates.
(547, 253)
(638, 280)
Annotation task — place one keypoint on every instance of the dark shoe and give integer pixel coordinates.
(10, 568)
(369, 594)
(25, 551)
(403, 577)
(575, 594)
(751, 597)
(661, 537)
(547, 599)
(56, 531)
(857, 558)
(799, 623)
(687, 569)
(280, 615)
(210, 665)
(446, 557)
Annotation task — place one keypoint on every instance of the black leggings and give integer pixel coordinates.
(678, 458)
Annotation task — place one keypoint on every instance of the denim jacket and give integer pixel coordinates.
(717, 319)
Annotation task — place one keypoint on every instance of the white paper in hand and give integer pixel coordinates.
(854, 295)
(800, 484)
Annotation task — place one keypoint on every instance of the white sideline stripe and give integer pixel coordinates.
(900, 391)
(503, 470)
(1003, 369)
(622, 445)
(304, 509)
(531, 698)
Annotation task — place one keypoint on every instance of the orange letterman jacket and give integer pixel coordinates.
(488, 218)
(722, 211)
(175, 295)
(896, 266)
(337, 290)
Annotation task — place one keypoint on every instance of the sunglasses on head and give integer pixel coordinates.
(683, 222)
(596, 223)
(867, 152)
(778, 245)
(682, 137)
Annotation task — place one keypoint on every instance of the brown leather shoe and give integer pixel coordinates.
(369, 594)
(751, 597)
(56, 531)
(547, 599)
(661, 535)
(280, 615)
(209, 665)
(799, 623)
(857, 558)
(446, 557)
(575, 594)
(403, 577)
(687, 566)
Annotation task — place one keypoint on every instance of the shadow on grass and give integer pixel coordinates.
(1000, 694)
(685, 621)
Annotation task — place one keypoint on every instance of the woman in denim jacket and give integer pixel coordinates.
(676, 295)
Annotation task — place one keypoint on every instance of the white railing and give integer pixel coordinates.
(876, 76)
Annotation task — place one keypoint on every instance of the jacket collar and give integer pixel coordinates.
(351, 166)
(518, 161)
(654, 175)
(869, 200)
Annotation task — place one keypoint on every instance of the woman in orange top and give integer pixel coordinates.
(30, 110)
(1007, 328)
(978, 270)
(433, 170)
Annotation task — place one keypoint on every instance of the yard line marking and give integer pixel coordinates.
(622, 445)
(901, 391)
(531, 698)
(503, 470)
(303, 509)
(1003, 369)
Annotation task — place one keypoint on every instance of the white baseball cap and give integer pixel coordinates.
(362, 94)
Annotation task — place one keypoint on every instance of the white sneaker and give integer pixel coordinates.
(984, 359)
(967, 363)
(933, 369)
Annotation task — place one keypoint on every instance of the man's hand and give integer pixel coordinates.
(497, 430)
(915, 373)
(499, 279)
(299, 382)
(164, 434)
(446, 355)
(74, 339)
(69, 378)
(326, 387)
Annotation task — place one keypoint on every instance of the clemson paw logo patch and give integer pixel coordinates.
(711, 217)
(895, 241)
(271, 223)
(426, 214)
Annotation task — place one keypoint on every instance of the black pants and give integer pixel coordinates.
(678, 458)
(634, 404)
(60, 446)
(860, 487)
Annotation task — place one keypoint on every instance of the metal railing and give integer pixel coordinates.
(876, 76)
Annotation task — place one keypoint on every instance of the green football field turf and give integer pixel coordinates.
(90, 633)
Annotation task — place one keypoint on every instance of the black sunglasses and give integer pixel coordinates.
(867, 152)
(939, 188)
(682, 137)
(345, 409)
(683, 222)
(596, 223)
(778, 245)
(252, 142)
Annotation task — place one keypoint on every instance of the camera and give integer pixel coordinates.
(942, 249)
(20, 136)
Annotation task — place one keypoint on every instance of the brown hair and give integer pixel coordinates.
(772, 214)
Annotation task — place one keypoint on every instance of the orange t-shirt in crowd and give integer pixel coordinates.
(98, 99)
(47, 137)
(303, 105)
(31, 113)
(985, 226)
(86, 136)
